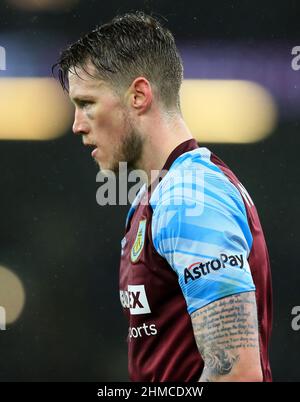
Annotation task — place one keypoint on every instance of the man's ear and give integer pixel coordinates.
(140, 95)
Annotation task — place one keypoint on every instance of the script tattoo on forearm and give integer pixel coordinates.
(221, 329)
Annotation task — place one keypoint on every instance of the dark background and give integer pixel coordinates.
(65, 248)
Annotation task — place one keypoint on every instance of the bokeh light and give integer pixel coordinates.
(33, 108)
(12, 294)
(228, 111)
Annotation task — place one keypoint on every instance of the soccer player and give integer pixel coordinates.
(195, 279)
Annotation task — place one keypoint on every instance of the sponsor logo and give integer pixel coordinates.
(135, 299)
(139, 332)
(200, 269)
(139, 241)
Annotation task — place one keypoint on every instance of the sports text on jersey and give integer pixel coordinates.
(139, 332)
(199, 269)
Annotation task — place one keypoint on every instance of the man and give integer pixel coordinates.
(195, 279)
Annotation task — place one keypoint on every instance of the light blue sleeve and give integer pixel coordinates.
(200, 227)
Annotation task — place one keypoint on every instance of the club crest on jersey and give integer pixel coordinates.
(139, 241)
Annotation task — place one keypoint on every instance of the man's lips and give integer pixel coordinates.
(94, 151)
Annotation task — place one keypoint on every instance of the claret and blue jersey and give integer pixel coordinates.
(204, 236)
(193, 239)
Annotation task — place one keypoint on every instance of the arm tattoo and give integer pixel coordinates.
(222, 329)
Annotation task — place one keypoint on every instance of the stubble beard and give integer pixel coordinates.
(130, 150)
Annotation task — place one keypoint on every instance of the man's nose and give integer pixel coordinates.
(80, 125)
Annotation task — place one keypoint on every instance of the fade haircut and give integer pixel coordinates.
(131, 45)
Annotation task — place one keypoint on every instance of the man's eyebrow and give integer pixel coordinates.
(77, 99)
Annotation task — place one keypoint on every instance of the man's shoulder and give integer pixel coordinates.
(196, 176)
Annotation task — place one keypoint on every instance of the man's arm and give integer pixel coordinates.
(226, 333)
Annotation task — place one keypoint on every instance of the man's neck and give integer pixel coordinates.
(160, 141)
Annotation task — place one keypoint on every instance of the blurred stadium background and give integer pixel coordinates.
(59, 250)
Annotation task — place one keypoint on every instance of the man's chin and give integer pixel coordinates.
(115, 166)
(97, 163)
(108, 167)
